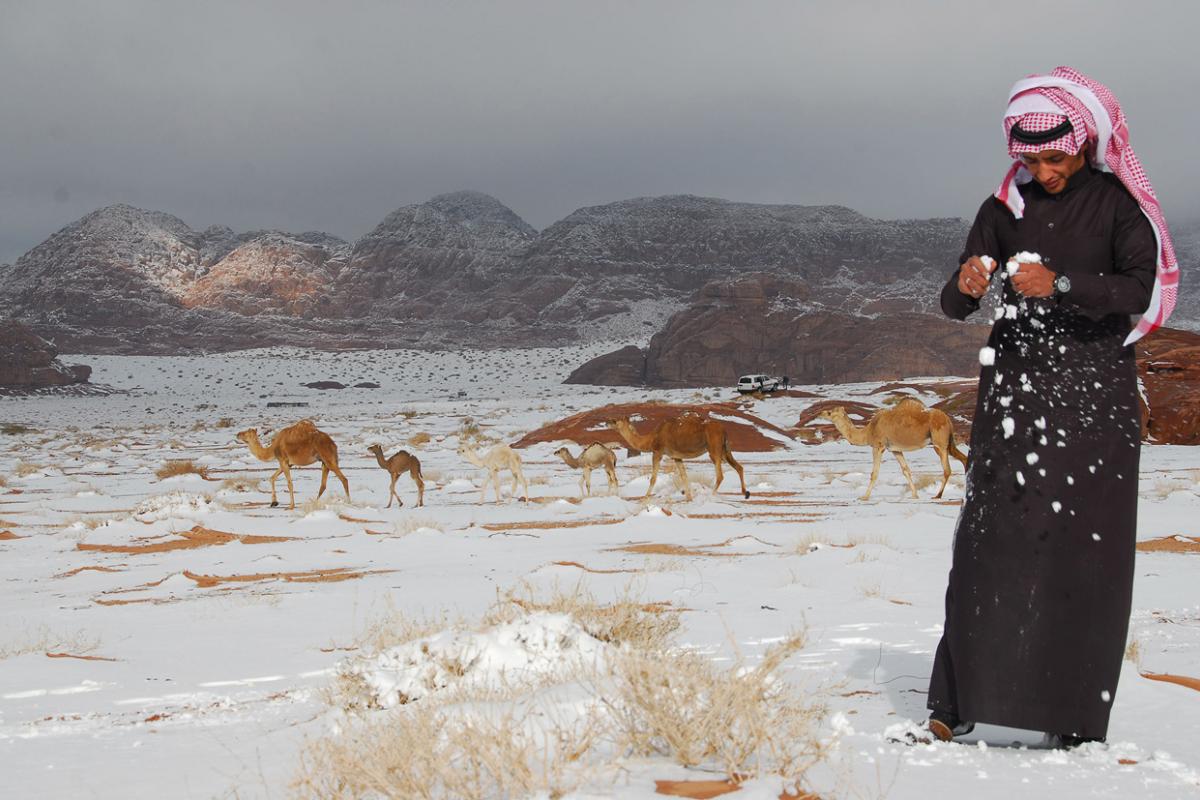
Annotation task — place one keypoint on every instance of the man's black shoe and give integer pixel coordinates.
(946, 726)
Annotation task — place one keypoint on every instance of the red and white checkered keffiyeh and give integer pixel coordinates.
(1039, 103)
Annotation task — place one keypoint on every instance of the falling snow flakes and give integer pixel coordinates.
(1010, 427)
(1070, 481)
(1010, 311)
(1106, 695)
(1031, 458)
(1040, 422)
(1006, 402)
(987, 356)
(1095, 537)
(1057, 506)
(1020, 478)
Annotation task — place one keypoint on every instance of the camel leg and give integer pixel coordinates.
(657, 457)
(416, 476)
(907, 472)
(496, 482)
(720, 474)
(587, 479)
(324, 479)
(877, 456)
(391, 492)
(395, 494)
(341, 477)
(287, 473)
(687, 485)
(274, 499)
(524, 483)
(945, 458)
(737, 468)
(613, 486)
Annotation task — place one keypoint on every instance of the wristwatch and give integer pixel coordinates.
(1062, 285)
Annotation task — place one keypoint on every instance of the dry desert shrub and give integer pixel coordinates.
(15, 429)
(3, 481)
(240, 484)
(468, 428)
(44, 640)
(224, 422)
(25, 468)
(423, 751)
(407, 525)
(180, 466)
(1133, 653)
(628, 621)
(746, 720)
(924, 480)
(648, 699)
(326, 502)
(419, 439)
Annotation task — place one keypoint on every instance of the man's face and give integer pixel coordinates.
(1052, 168)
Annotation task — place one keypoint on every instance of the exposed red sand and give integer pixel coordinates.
(1179, 680)
(1170, 544)
(662, 549)
(312, 576)
(348, 518)
(589, 569)
(550, 525)
(198, 536)
(8, 536)
(702, 790)
(81, 658)
(858, 411)
(78, 570)
(745, 434)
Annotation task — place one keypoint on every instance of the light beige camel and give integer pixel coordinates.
(402, 462)
(686, 436)
(905, 427)
(593, 456)
(500, 457)
(297, 446)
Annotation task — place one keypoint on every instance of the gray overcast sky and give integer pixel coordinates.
(308, 115)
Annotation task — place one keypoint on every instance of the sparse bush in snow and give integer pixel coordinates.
(175, 467)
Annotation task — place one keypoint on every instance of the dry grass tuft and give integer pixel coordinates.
(427, 752)
(180, 466)
(419, 439)
(3, 481)
(44, 640)
(468, 428)
(746, 720)
(1133, 653)
(240, 485)
(225, 422)
(627, 621)
(25, 468)
(15, 429)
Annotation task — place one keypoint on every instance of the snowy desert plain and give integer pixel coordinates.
(178, 637)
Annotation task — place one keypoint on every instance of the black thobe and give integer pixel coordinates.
(1037, 607)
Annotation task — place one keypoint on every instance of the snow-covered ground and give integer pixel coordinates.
(136, 661)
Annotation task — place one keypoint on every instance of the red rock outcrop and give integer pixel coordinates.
(28, 361)
(1169, 366)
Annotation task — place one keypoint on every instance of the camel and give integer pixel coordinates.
(686, 436)
(592, 456)
(396, 466)
(500, 457)
(297, 446)
(905, 427)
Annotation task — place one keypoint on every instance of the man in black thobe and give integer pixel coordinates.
(1038, 601)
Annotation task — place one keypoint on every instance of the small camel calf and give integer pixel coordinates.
(296, 446)
(402, 462)
(592, 456)
(500, 457)
(905, 427)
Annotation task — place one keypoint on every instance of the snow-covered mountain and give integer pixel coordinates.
(464, 270)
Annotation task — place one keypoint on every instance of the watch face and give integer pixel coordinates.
(1062, 283)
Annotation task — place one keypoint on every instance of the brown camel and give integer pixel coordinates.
(592, 456)
(296, 446)
(396, 466)
(686, 436)
(905, 427)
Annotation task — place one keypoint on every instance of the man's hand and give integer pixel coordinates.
(1034, 280)
(973, 276)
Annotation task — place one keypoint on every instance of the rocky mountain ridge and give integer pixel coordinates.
(463, 270)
